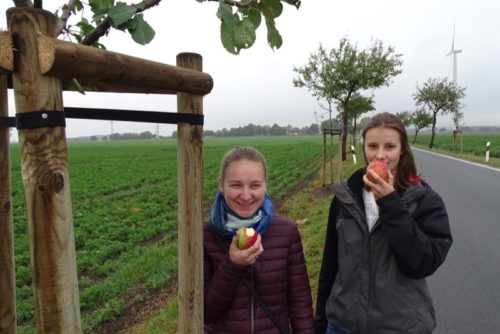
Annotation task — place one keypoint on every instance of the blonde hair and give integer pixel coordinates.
(242, 153)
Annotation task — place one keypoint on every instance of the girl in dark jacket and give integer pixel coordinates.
(383, 239)
(273, 267)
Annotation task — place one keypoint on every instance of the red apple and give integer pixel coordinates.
(379, 167)
(246, 237)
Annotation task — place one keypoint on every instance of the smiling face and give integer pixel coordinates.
(383, 144)
(243, 185)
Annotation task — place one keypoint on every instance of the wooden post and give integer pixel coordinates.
(324, 157)
(6, 52)
(7, 272)
(44, 168)
(340, 155)
(190, 204)
(454, 141)
(331, 156)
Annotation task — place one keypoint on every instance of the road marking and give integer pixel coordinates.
(466, 161)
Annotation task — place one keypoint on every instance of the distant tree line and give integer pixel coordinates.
(261, 130)
(125, 136)
(276, 130)
(482, 129)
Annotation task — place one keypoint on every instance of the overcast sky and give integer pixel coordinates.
(256, 86)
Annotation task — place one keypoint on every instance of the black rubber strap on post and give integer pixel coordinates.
(134, 115)
(7, 122)
(39, 119)
(49, 118)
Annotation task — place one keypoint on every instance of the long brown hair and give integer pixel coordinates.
(406, 169)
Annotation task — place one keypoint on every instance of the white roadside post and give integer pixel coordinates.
(353, 154)
(487, 151)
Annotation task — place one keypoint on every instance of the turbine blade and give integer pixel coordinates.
(453, 40)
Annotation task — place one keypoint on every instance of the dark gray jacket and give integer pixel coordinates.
(374, 282)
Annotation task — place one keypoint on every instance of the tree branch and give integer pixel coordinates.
(67, 10)
(23, 3)
(240, 4)
(103, 27)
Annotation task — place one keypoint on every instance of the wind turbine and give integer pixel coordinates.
(454, 53)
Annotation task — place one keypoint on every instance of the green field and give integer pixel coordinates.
(471, 144)
(124, 197)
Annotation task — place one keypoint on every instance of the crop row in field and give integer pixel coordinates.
(124, 199)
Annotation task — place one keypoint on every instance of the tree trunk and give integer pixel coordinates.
(415, 137)
(454, 141)
(345, 123)
(433, 130)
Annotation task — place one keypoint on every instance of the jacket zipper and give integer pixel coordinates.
(368, 315)
(252, 315)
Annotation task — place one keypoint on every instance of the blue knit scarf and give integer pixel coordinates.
(221, 213)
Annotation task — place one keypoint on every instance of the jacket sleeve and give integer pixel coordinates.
(420, 241)
(220, 284)
(299, 290)
(329, 268)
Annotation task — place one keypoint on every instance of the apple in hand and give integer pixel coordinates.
(379, 167)
(246, 237)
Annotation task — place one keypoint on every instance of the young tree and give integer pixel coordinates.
(358, 105)
(439, 95)
(364, 121)
(457, 117)
(421, 119)
(337, 74)
(405, 117)
(239, 20)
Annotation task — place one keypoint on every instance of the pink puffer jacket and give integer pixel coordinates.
(279, 277)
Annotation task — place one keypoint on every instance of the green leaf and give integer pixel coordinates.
(273, 36)
(244, 34)
(77, 36)
(271, 8)
(142, 33)
(98, 17)
(227, 38)
(239, 36)
(121, 13)
(78, 6)
(225, 14)
(253, 15)
(100, 6)
(85, 26)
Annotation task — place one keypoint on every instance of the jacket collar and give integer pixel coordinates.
(350, 194)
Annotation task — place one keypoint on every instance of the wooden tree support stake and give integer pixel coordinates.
(69, 60)
(6, 52)
(44, 167)
(7, 268)
(189, 212)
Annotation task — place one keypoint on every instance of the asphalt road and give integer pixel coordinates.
(466, 288)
